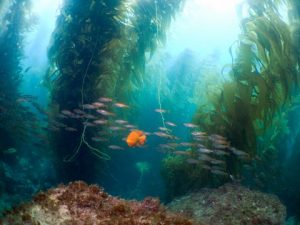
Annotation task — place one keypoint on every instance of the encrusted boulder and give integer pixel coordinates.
(231, 205)
(81, 204)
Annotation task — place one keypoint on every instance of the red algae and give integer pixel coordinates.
(80, 204)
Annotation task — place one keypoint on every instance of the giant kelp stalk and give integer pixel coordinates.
(264, 76)
(143, 26)
(294, 17)
(98, 49)
(14, 115)
(82, 28)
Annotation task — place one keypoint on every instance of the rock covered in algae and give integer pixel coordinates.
(231, 205)
(78, 203)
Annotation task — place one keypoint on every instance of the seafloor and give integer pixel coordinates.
(80, 204)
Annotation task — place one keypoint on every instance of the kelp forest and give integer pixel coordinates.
(111, 96)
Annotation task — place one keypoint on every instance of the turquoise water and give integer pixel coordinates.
(211, 85)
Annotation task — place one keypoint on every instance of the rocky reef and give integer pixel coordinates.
(231, 205)
(80, 204)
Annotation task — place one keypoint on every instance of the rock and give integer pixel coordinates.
(81, 204)
(231, 205)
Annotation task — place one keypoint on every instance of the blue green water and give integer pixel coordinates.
(60, 140)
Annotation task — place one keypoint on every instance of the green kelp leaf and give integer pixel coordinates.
(229, 91)
(244, 90)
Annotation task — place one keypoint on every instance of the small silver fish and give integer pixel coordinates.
(67, 112)
(166, 146)
(217, 137)
(186, 144)
(239, 153)
(71, 129)
(88, 106)
(129, 126)
(199, 134)
(98, 104)
(121, 105)
(164, 135)
(181, 153)
(62, 116)
(99, 139)
(100, 122)
(89, 116)
(206, 167)
(160, 110)
(89, 124)
(190, 125)
(121, 121)
(75, 116)
(78, 111)
(171, 124)
(220, 152)
(204, 150)
(164, 129)
(217, 162)
(204, 157)
(114, 128)
(220, 146)
(104, 99)
(115, 147)
(104, 112)
(9, 151)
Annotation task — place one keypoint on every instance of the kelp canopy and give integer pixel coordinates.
(249, 106)
(264, 76)
(99, 49)
(15, 119)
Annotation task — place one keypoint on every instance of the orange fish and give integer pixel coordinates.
(136, 138)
